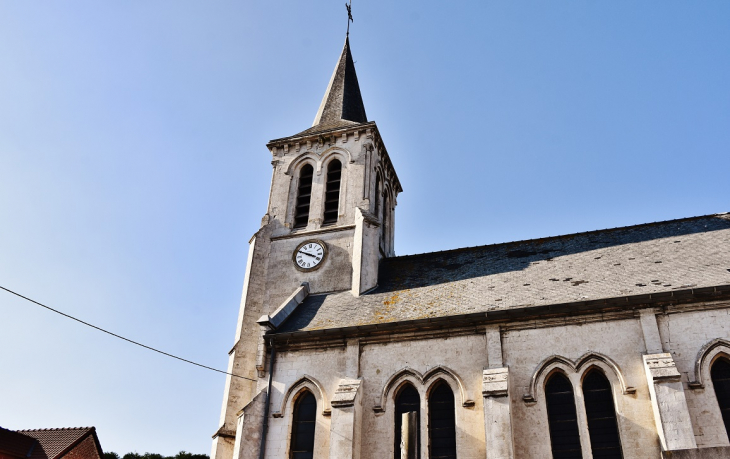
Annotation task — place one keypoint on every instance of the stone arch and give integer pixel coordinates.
(451, 378)
(301, 160)
(335, 153)
(580, 366)
(408, 374)
(306, 382)
(705, 357)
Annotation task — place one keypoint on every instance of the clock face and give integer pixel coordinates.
(309, 255)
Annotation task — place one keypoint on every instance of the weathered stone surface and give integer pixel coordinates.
(249, 428)
(671, 415)
(345, 393)
(721, 452)
(495, 382)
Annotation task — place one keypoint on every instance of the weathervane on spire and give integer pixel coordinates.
(349, 16)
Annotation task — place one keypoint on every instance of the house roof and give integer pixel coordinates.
(643, 259)
(52, 443)
(16, 444)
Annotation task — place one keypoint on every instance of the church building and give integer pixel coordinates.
(605, 344)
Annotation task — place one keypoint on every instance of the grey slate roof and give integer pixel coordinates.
(649, 258)
(342, 104)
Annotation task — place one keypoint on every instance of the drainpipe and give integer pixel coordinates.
(262, 449)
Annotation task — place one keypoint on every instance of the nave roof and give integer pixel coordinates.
(689, 253)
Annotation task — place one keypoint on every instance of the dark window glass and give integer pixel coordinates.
(442, 423)
(601, 415)
(406, 401)
(720, 373)
(304, 195)
(302, 432)
(377, 197)
(564, 436)
(332, 192)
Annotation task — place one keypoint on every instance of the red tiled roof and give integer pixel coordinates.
(55, 442)
(15, 443)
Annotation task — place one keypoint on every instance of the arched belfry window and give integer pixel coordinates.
(302, 432)
(304, 196)
(377, 197)
(562, 418)
(332, 192)
(601, 416)
(441, 422)
(720, 374)
(406, 401)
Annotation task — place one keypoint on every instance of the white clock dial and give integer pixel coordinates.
(309, 255)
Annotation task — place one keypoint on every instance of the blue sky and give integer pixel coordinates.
(133, 167)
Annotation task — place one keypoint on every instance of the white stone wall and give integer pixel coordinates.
(620, 340)
(615, 346)
(683, 335)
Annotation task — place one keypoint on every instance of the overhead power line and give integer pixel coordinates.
(123, 338)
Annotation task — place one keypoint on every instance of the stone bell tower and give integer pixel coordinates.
(330, 219)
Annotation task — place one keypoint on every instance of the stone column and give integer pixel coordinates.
(497, 416)
(495, 390)
(671, 415)
(346, 420)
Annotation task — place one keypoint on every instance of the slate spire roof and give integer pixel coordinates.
(342, 104)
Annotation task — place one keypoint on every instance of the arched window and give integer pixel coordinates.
(720, 374)
(304, 195)
(601, 414)
(332, 192)
(406, 401)
(564, 436)
(377, 197)
(442, 423)
(302, 431)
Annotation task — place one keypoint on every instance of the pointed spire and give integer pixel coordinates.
(342, 100)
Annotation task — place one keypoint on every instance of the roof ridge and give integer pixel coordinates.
(580, 233)
(55, 429)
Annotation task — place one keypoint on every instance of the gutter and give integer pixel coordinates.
(262, 448)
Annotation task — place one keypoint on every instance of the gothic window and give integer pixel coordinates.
(601, 415)
(406, 401)
(377, 197)
(562, 418)
(720, 374)
(304, 195)
(442, 422)
(302, 432)
(332, 192)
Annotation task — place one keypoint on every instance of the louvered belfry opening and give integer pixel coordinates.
(564, 435)
(332, 193)
(442, 423)
(720, 374)
(304, 196)
(302, 433)
(406, 401)
(601, 415)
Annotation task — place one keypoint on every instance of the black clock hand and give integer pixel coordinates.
(305, 253)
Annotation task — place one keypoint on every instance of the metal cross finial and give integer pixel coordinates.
(349, 16)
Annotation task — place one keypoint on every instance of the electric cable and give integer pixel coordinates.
(123, 338)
